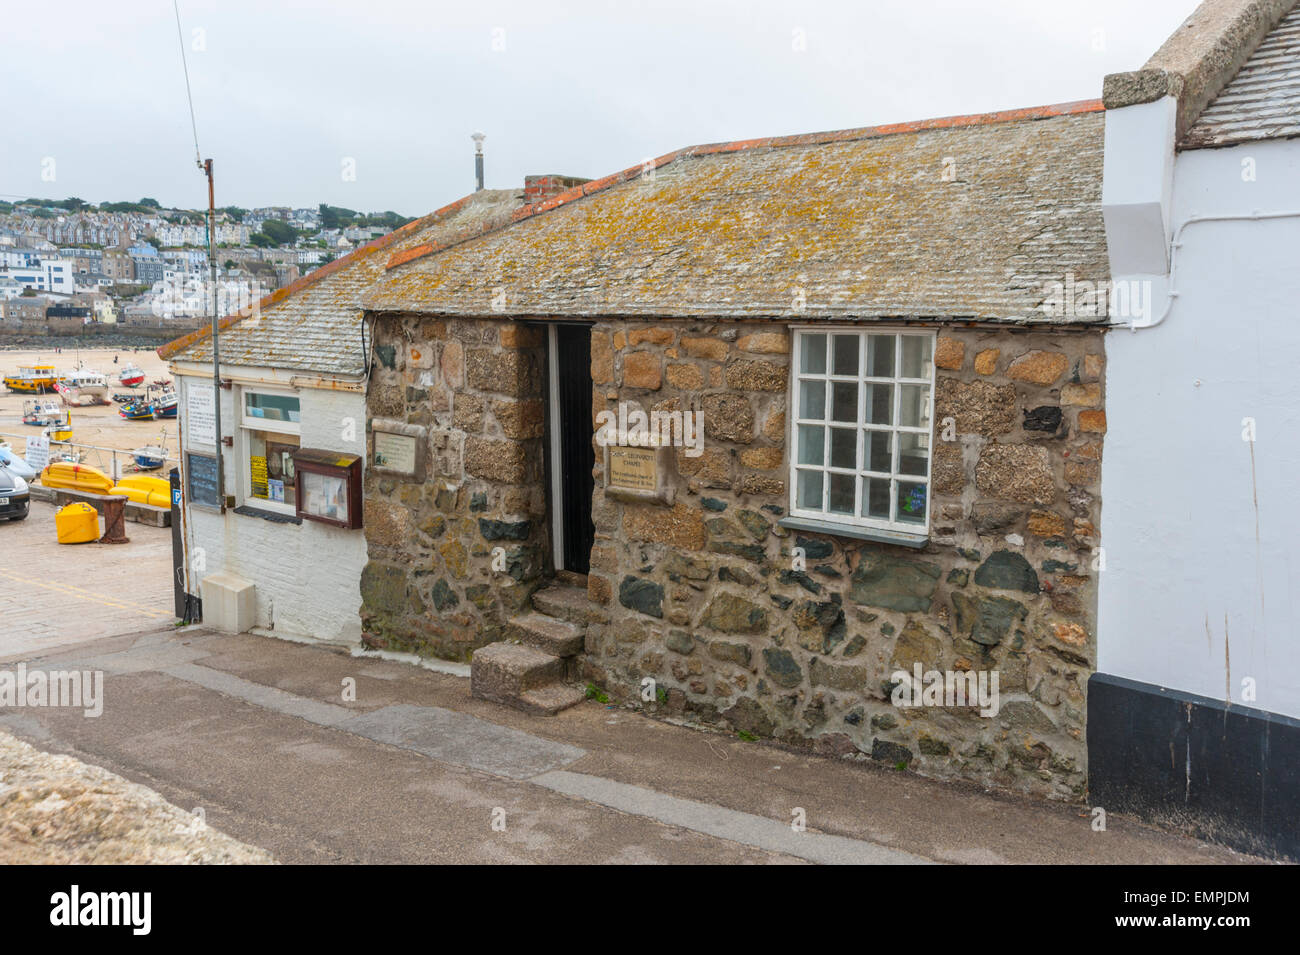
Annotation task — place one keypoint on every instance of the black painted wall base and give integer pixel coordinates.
(1228, 774)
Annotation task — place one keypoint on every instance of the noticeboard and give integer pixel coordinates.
(201, 480)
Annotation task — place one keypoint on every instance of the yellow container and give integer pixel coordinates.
(77, 523)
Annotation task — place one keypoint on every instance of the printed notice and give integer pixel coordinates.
(633, 468)
(395, 452)
(201, 414)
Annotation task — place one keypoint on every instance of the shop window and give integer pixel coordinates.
(270, 432)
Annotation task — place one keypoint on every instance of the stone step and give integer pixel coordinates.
(557, 637)
(504, 672)
(549, 700)
(563, 603)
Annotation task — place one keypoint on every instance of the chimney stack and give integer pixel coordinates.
(478, 160)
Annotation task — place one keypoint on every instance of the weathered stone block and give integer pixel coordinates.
(1081, 395)
(756, 376)
(730, 613)
(894, 583)
(520, 418)
(762, 459)
(978, 407)
(503, 461)
(1038, 367)
(781, 668)
(949, 353)
(643, 596)
(1007, 570)
(681, 526)
(986, 362)
(642, 369)
(685, 376)
(714, 349)
(1016, 472)
(728, 417)
(770, 343)
(986, 620)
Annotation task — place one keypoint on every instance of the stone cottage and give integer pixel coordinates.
(293, 380)
(871, 365)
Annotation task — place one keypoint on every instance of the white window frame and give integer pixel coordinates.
(249, 423)
(856, 520)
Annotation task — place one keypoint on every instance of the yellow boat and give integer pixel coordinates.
(60, 430)
(145, 490)
(37, 379)
(77, 477)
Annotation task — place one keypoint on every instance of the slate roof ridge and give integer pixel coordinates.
(528, 211)
(1199, 58)
(315, 276)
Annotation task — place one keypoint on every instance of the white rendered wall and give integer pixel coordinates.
(307, 576)
(1200, 527)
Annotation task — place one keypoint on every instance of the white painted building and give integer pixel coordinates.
(296, 372)
(44, 274)
(1198, 644)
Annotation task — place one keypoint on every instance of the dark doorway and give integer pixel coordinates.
(571, 453)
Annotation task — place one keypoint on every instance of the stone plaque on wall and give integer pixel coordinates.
(639, 474)
(634, 468)
(398, 449)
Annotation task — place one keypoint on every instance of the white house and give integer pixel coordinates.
(293, 380)
(1194, 713)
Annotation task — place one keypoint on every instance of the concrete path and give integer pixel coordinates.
(54, 594)
(268, 739)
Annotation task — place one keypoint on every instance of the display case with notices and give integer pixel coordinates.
(328, 485)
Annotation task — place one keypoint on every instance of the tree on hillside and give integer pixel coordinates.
(280, 232)
(261, 240)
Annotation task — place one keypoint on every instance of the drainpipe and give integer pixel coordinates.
(1177, 244)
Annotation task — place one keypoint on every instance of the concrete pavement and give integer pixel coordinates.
(54, 594)
(265, 737)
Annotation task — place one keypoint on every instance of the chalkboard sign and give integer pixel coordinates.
(201, 479)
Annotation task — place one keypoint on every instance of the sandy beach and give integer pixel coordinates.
(99, 425)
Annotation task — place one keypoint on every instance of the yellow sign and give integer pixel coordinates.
(634, 468)
(257, 472)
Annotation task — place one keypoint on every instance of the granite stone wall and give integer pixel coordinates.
(452, 557)
(706, 598)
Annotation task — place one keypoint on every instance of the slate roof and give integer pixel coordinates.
(863, 221)
(1262, 101)
(314, 324)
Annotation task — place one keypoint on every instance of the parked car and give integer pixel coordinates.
(14, 495)
(16, 464)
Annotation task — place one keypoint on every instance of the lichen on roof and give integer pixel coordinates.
(972, 217)
(315, 323)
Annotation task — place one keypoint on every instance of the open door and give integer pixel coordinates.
(570, 453)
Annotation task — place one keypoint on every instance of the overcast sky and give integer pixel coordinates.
(290, 96)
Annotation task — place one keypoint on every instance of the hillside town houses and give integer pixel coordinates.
(151, 270)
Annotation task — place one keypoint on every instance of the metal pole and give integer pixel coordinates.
(216, 345)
